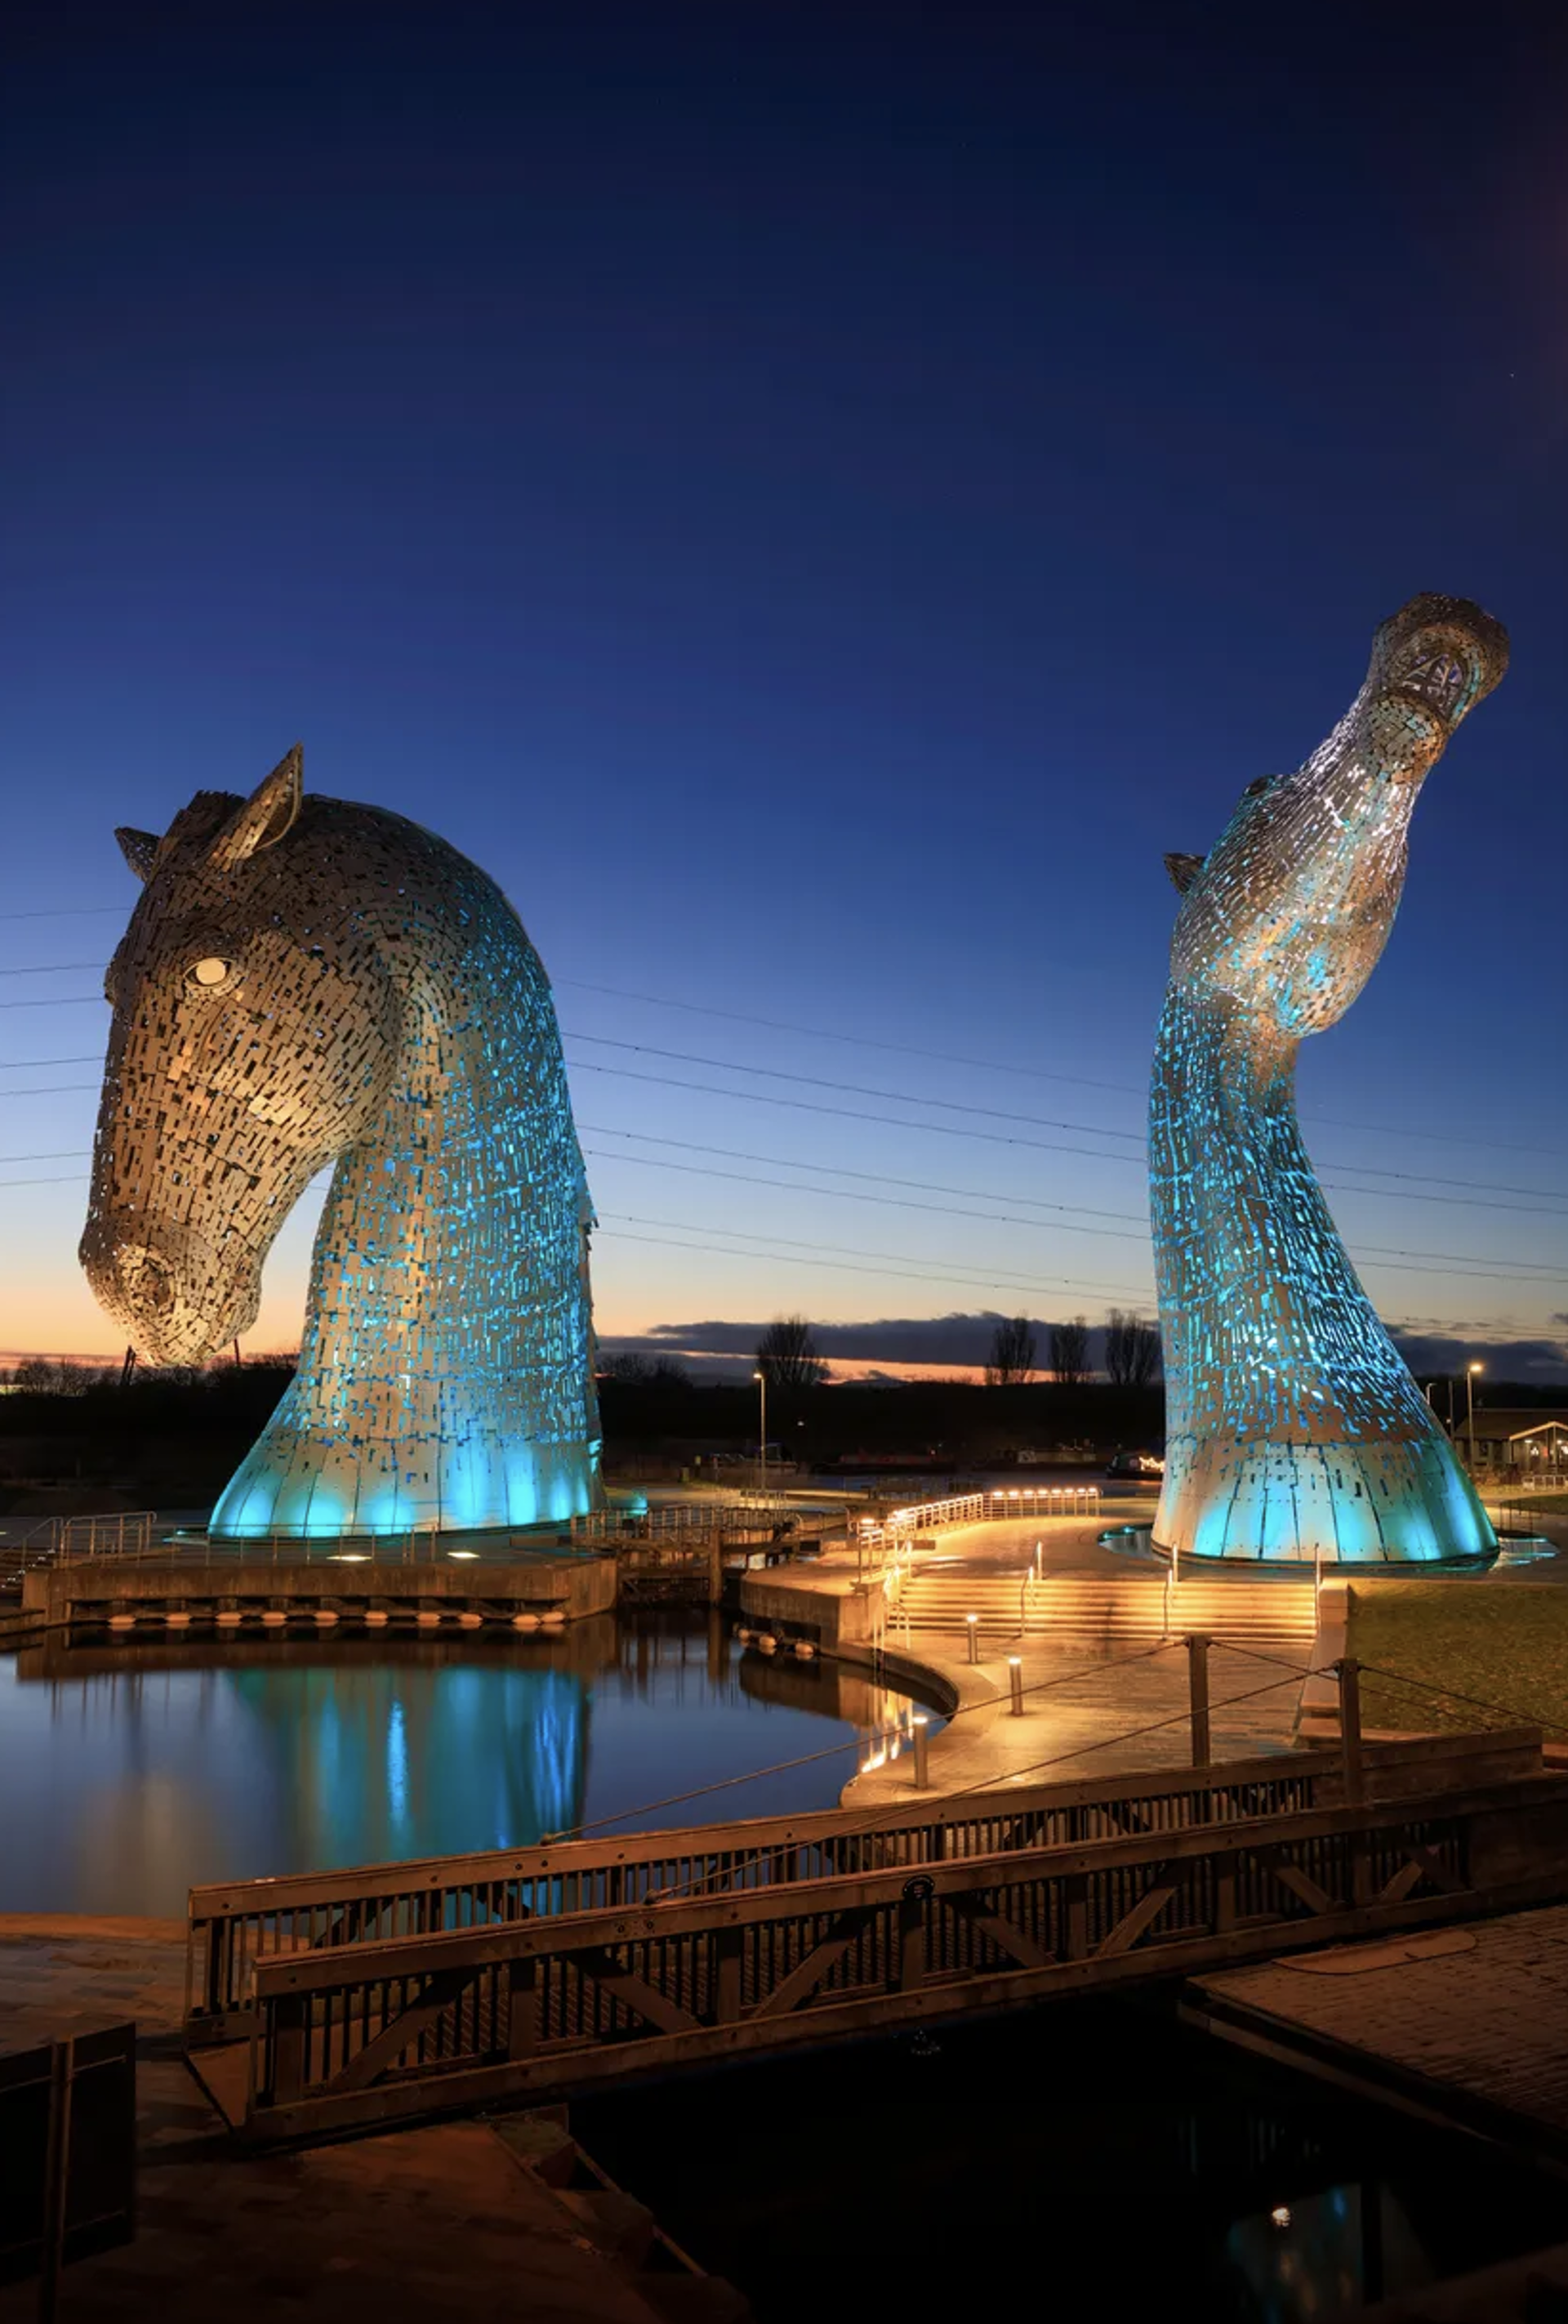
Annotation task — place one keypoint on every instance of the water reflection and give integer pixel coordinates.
(140, 1766)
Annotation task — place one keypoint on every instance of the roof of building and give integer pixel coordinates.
(1503, 1420)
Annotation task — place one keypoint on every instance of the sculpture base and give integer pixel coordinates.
(293, 1487)
(1377, 1501)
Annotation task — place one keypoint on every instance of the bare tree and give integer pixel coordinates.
(626, 1366)
(1068, 1345)
(1012, 1354)
(786, 1355)
(1131, 1350)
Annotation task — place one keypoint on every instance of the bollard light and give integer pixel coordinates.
(1015, 1677)
(974, 1622)
(920, 1724)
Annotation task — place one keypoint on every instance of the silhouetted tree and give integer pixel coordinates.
(1068, 1345)
(786, 1355)
(625, 1365)
(667, 1374)
(1131, 1350)
(1012, 1354)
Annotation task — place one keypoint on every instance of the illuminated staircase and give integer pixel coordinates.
(1110, 1606)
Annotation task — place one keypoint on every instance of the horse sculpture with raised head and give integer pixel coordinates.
(1294, 1429)
(304, 981)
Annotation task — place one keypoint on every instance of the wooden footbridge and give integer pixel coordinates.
(399, 1991)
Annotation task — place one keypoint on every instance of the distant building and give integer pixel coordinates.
(1522, 1442)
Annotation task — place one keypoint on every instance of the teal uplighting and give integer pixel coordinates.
(1295, 1432)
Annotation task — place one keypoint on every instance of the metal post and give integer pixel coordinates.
(974, 1622)
(762, 1381)
(56, 2176)
(921, 1724)
(1198, 1698)
(1015, 1675)
(1348, 1672)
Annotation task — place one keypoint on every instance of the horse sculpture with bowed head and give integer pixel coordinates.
(1294, 1429)
(306, 982)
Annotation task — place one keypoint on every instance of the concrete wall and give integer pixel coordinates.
(80, 1593)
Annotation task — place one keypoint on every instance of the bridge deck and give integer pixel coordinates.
(1463, 2027)
(350, 2035)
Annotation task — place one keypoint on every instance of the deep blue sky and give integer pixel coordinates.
(817, 500)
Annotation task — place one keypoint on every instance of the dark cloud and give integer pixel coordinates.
(1542, 1363)
(724, 1349)
(720, 1350)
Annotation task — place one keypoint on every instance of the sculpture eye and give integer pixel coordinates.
(207, 973)
(1253, 790)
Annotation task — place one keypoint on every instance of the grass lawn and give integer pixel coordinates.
(1554, 1505)
(1501, 1642)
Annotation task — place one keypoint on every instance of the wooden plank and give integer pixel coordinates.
(387, 2046)
(806, 1977)
(1266, 1836)
(1133, 1924)
(634, 1991)
(1017, 1943)
(1291, 1877)
(558, 2072)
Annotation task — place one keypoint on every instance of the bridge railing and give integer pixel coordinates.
(370, 2034)
(233, 1927)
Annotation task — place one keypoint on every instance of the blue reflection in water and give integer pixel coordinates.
(1319, 2255)
(151, 1767)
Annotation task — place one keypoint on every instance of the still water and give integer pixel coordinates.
(134, 1770)
(1084, 2160)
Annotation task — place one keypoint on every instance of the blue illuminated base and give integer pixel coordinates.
(1392, 1502)
(295, 1488)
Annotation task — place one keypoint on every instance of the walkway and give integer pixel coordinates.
(1082, 1702)
(1466, 2026)
(422, 2224)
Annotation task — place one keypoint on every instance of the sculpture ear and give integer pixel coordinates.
(1183, 870)
(139, 849)
(268, 813)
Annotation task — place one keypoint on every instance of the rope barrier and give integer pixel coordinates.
(878, 1817)
(831, 1750)
(1454, 1695)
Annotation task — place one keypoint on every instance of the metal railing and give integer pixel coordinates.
(76, 1540)
(729, 1512)
(235, 1925)
(367, 2034)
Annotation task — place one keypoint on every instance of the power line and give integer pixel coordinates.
(1031, 1073)
(66, 1001)
(1468, 1267)
(56, 968)
(856, 1089)
(68, 912)
(988, 1195)
(36, 1065)
(1034, 1144)
(901, 1097)
(1398, 1263)
(847, 1267)
(996, 1113)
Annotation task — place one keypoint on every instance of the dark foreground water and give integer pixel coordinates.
(1079, 2160)
(130, 1770)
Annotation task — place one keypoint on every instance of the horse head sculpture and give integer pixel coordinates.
(1293, 1430)
(304, 981)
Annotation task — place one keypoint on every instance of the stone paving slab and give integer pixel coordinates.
(62, 1974)
(439, 2222)
(419, 2223)
(1469, 2024)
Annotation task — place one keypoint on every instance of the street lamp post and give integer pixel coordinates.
(1469, 1372)
(762, 1381)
